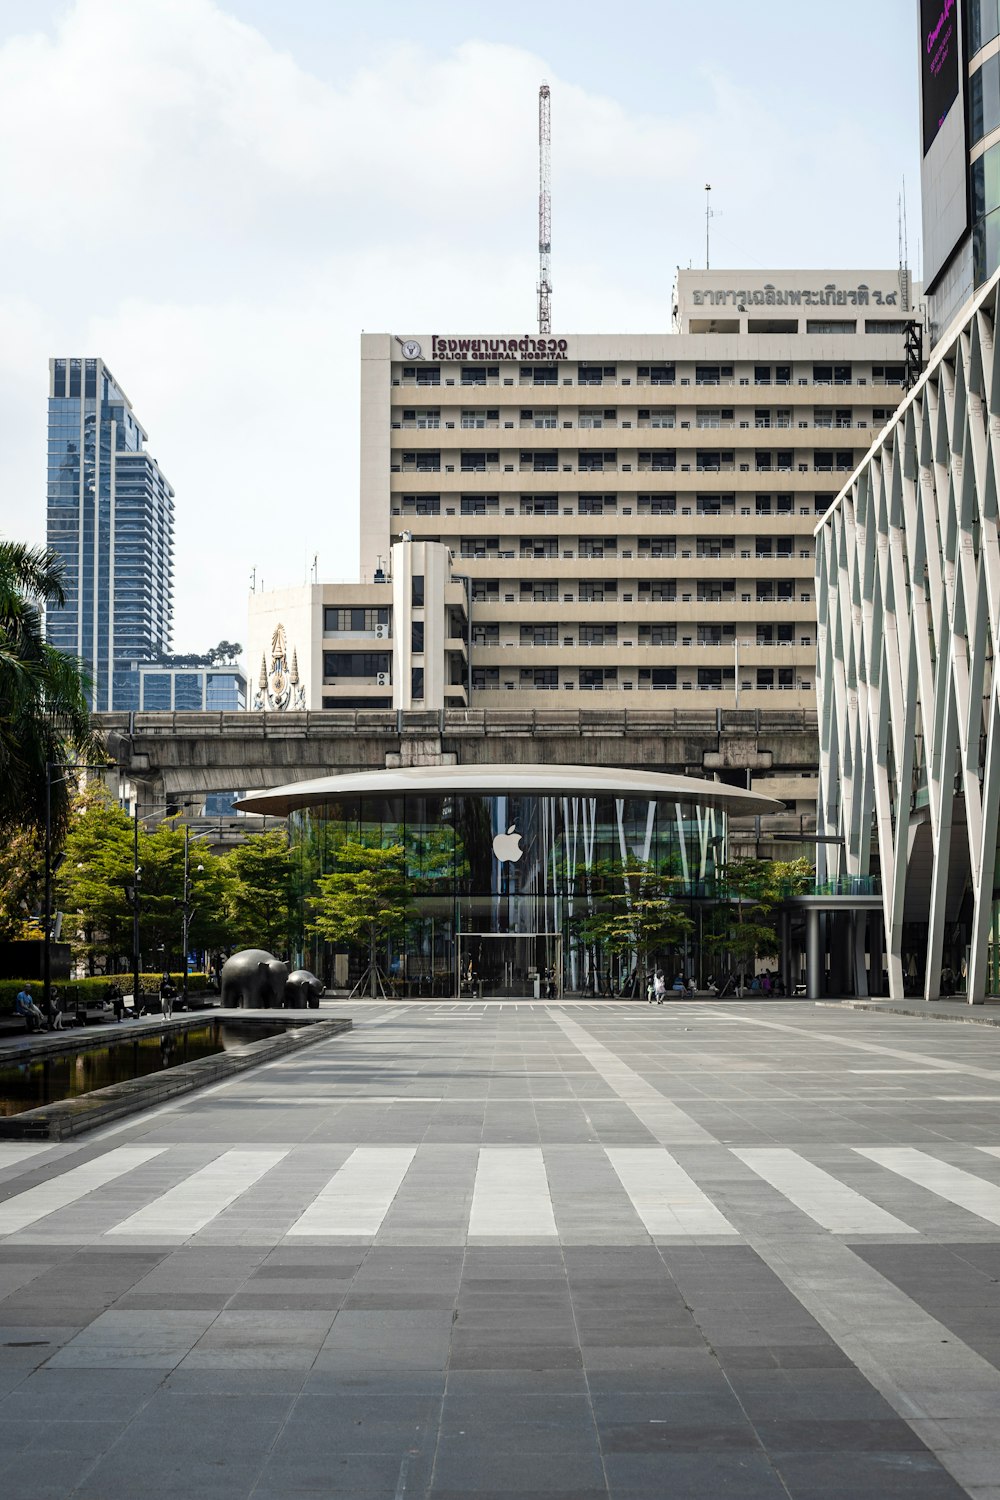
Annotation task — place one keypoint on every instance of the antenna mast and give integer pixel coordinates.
(544, 210)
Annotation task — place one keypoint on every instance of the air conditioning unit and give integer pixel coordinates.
(382, 679)
(381, 634)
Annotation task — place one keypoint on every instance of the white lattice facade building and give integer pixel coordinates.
(908, 572)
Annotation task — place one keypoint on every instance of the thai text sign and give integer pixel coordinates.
(494, 350)
(770, 296)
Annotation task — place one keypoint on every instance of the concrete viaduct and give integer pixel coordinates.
(182, 757)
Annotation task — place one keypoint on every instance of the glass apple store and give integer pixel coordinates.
(502, 862)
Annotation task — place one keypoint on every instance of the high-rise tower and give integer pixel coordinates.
(111, 520)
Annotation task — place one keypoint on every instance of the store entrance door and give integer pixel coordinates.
(510, 966)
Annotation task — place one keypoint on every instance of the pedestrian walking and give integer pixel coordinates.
(659, 987)
(56, 1015)
(166, 997)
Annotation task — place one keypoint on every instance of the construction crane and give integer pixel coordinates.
(544, 210)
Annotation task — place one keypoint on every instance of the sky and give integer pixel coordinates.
(218, 196)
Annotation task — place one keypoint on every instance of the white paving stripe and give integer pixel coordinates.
(358, 1196)
(935, 1064)
(951, 1183)
(511, 1194)
(193, 1203)
(666, 1199)
(827, 1201)
(46, 1197)
(11, 1153)
(665, 1121)
(282, 1103)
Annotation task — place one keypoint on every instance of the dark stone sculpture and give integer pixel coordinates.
(253, 979)
(303, 989)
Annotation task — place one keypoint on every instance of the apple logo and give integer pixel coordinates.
(507, 846)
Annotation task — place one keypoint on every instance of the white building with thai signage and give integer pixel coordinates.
(635, 512)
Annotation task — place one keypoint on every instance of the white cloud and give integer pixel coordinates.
(190, 203)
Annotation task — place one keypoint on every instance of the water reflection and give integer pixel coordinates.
(47, 1080)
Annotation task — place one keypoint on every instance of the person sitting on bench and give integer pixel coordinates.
(25, 1007)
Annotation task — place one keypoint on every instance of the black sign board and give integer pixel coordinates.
(939, 63)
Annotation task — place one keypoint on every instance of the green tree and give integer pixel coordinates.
(225, 651)
(633, 915)
(22, 863)
(260, 894)
(209, 927)
(44, 716)
(161, 855)
(742, 926)
(364, 902)
(94, 882)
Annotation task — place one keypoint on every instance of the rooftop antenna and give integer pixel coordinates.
(904, 253)
(709, 216)
(544, 210)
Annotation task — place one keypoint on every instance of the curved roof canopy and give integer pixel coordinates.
(507, 780)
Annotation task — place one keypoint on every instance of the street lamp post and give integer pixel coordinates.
(47, 946)
(136, 889)
(186, 907)
(136, 879)
(186, 912)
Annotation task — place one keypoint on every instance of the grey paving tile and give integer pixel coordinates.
(683, 1356)
(99, 1394)
(31, 1477)
(460, 1464)
(82, 1438)
(230, 1380)
(341, 1474)
(882, 1476)
(697, 1476)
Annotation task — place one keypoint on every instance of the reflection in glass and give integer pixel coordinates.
(525, 869)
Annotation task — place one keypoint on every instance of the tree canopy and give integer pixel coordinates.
(364, 901)
(259, 898)
(742, 927)
(634, 913)
(240, 899)
(22, 865)
(44, 713)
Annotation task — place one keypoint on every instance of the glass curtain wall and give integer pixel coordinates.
(482, 868)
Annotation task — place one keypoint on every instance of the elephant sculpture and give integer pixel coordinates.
(303, 989)
(253, 979)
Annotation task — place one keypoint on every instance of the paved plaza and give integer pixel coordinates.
(498, 1250)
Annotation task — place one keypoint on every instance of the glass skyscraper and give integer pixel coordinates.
(111, 520)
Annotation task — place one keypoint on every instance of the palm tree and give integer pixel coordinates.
(44, 715)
